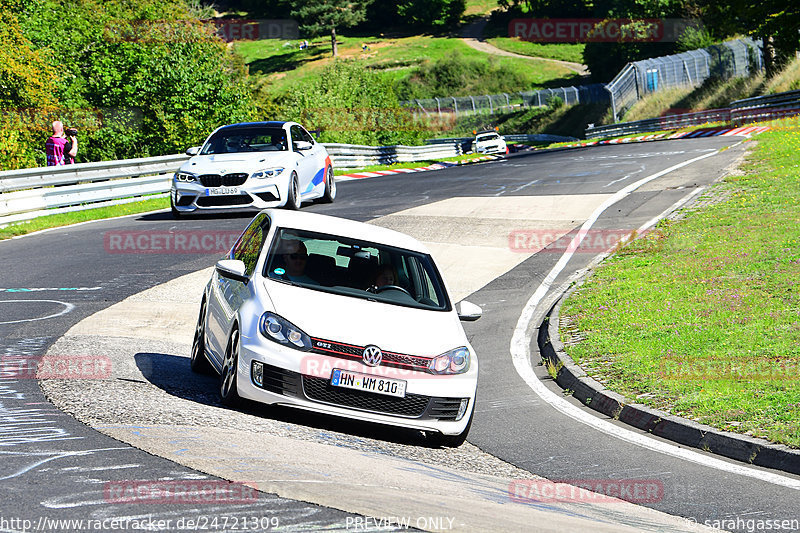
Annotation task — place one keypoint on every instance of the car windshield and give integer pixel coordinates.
(489, 137)
(246, 139)
(355, 268)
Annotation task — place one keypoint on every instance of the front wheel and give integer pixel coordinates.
(293, 199)
(330, 187)
(228, 391)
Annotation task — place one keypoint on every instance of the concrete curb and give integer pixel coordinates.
(571, 377)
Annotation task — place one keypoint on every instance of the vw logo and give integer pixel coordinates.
(372, 356)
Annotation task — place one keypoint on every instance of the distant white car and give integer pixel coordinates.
(489, 142)
(338, 317)
(253, 165)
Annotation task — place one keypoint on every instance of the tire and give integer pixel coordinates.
(439, 440)
(293, 195)
(228, 393)
(330, 187)
(198, 362)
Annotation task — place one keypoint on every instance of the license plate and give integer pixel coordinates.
(365, 382)
(221, 191)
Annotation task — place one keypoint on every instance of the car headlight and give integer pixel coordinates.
(280, 330)
(185, 176)
(452, 362)
(268, 173)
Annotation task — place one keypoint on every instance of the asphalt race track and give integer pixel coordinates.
(82, 292)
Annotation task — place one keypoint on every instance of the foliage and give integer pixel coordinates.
(349, 103)
(457, 75)
(136, 78)
(695, 39)
(431, 14)
(27, 83)
(319, 16)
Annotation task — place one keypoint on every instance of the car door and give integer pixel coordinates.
(306, 164)
(320, 156)
(227, 295)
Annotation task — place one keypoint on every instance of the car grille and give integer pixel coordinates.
(318, 389)
(221, 201)
(185, 201)
(349, 351)
(228, 180)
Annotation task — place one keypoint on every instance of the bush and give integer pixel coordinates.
(457, 75)
(136, 78)
(351, 104)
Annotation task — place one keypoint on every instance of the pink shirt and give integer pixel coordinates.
(55, 151)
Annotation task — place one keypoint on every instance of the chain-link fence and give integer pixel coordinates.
(493, 104)
(689, 69)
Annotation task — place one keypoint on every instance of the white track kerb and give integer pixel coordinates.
(523, 336)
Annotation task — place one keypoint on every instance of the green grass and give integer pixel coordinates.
(700, 316)
(560, 51)
(65, 219)
(396, 58)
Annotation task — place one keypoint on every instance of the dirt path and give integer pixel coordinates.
(472, 36)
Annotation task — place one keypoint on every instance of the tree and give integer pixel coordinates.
(431, 13)
(318, 16)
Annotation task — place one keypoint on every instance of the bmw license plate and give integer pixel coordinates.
(365, 382)
(221, 191)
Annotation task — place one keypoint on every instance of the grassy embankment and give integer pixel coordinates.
(284, 66)
(700, 317)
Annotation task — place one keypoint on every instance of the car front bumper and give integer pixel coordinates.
(302, 380)
(188, 197)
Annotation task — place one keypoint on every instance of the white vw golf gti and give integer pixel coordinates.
(253, 165)
(338, 317)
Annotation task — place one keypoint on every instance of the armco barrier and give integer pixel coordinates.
(32, 192)
(757, 109)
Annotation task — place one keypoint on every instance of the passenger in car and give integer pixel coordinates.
(295, 257)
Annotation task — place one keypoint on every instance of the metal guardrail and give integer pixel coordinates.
(32, 192)
(756, 109)
(354, 156)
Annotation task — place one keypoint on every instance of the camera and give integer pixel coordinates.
(71, 132)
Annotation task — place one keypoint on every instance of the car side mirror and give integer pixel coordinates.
(302, 145)
(233, 269)
(468, 311)
(194, 150)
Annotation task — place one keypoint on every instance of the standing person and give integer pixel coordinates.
(59, 149)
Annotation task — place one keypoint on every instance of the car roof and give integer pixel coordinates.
(344, 227)
(268, 123)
